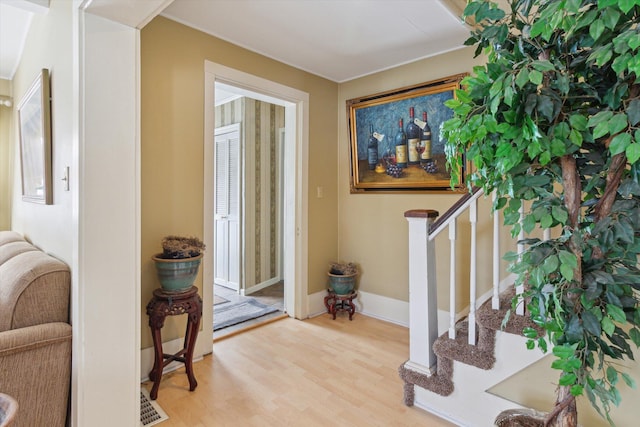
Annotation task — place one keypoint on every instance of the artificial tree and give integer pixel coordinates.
(551, 123)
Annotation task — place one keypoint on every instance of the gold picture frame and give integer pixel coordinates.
(382, 113)
(34, 116)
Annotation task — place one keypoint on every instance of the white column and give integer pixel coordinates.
(423, 301)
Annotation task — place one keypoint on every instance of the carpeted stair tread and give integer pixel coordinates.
(440, 383)
(480, 355)
(489, 318)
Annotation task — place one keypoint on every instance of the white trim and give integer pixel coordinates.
(296, 105)
(259, 286)
(106, 220)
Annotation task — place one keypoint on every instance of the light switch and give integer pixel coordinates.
(320, 192)
(65, 178)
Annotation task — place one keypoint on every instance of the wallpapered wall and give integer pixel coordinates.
(260, 131)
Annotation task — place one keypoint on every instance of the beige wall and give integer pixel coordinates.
(48, 46)
(6, 157)
(373, 230)
(172, 90)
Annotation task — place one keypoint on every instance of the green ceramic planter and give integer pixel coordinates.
(342, 284)
(177, 275)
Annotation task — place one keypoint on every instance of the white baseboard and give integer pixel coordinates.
(259, 286)
(379, 307)
(372, 305)
(383, 308)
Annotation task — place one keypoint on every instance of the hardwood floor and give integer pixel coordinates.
(317, 372)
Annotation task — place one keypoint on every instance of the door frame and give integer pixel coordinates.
(295, 215)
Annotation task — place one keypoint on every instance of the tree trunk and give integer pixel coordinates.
(565, 413)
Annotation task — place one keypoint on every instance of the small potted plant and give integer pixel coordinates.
(342, 277)
(178, 263)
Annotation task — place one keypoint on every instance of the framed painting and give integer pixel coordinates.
(395, 140)
(34, 116)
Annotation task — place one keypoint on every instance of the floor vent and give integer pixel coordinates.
(150, 412)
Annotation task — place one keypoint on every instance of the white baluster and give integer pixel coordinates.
(495, 301)
(452, 279)
(520, 288)
(473, 219)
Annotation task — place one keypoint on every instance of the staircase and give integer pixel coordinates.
(456, 356)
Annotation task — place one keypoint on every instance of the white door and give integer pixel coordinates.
(227, 207)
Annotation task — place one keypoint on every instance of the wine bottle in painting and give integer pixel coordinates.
(372, 150)
(401, 146)
(425, 139)
(413, 138)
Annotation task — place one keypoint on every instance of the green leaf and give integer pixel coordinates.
(617, 123)
(550, 265)
(596, 29)
(619, 143)
(616, 313)
(529, 332)
(576, 390)
(535, 77)
(635, 336)
(568, 258)
(579, 122)
(591, 324)
(575, 137)
(612, 375)
(523, 78)
(545, 106)
(545, 158)
(608, 326)
(626, 5)
(543, 65)
(560, 214)
(529, 224)
(628, 380)
(610, 16)
(542, 343)
(567, 379)
(633, 112)
(546, 221)
(600, 117)
(538, 27)
(633, 152)
(601, 130)
(563, 351)
(567, 272)
(574, 330)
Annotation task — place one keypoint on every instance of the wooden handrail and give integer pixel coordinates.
(454, 211)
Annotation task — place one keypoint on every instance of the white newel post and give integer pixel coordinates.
(423, 307)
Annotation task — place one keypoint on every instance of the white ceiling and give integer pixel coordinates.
(336, 39)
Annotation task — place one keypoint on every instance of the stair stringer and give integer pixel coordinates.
(469, 403)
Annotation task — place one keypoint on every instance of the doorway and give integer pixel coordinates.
(295, 194)
(248, 281)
